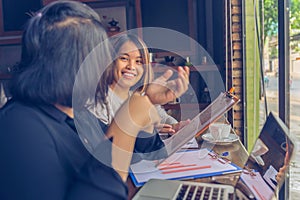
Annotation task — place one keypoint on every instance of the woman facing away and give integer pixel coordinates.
(130, 70)
(42, 154)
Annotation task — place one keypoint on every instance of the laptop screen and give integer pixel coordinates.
(264, 170)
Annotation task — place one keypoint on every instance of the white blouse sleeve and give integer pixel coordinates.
(165, 117)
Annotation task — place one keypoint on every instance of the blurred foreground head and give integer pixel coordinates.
(55, 42)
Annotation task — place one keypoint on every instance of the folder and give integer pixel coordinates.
(188, 164)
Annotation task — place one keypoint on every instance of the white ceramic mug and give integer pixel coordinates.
(219, 130)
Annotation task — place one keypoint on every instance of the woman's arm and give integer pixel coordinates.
(136, 114)
(139, 114)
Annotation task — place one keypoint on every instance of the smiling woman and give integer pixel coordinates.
(129, 73)
(129, 70)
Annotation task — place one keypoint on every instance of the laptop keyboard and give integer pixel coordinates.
(193, 192)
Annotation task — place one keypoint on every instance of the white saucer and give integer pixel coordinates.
(231, 138)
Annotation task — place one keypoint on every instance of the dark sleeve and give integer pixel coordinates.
(97, 181)
(30, 169)
(148, 147)
(33, 167)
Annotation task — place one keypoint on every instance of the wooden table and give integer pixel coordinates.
(237, 154)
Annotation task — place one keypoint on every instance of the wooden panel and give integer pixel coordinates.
(177, 15)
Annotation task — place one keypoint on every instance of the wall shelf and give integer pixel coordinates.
(159, 68)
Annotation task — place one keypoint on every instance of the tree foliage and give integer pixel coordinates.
(295, 15)
(270, 10)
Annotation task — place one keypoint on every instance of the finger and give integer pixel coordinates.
(159, 126)
(185, 76)
(185, 71)
(185, 84)
(181, 87)
(172, 132)
(164, 77)
(167, 130)
(163, 126)
(167, 125)
(186, 121)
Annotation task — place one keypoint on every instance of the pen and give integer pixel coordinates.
(221, 160)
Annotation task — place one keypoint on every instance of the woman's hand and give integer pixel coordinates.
(281, 174)
(180, 124)
(171, 128)
(162, 91)
(165, 128)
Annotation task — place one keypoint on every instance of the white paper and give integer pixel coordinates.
(193, 163)
(191, 144)
(258, 186)
(270, 176)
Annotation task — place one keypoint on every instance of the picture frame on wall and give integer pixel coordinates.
(108, 11)
(113, 18)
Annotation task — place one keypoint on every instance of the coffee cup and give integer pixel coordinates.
(219, 131)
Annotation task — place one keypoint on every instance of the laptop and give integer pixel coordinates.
(261, 178)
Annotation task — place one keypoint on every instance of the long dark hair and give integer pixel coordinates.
(54, 44)
(108, 76)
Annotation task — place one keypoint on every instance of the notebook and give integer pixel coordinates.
(258, 180)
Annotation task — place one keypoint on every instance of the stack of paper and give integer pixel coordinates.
(188, 164)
